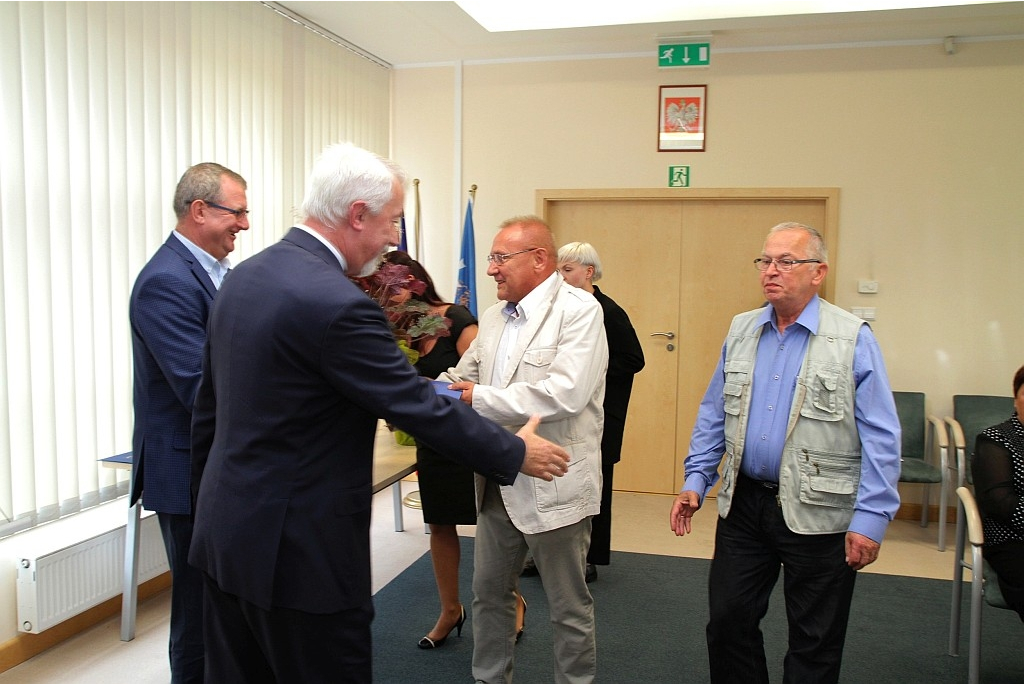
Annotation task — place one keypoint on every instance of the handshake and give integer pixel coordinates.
(543, 459)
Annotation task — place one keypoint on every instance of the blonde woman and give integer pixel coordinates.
(580, 266)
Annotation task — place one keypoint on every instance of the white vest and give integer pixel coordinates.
(820, 470)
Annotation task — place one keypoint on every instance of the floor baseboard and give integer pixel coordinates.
(912, 512)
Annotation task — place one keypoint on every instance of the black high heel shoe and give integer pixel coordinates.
(426, 643)
(519, 633)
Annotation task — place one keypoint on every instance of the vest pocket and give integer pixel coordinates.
(729, 468)
(737, 377)
(824, 401)
(829, 481)
(733, 395)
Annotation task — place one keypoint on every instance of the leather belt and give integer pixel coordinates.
(766, 484)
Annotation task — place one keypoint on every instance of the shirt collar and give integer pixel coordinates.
(332, 248)
(205, 259)
(533, 299)
(809, 317)
(510, 310)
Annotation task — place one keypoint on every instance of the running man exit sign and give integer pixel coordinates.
(679, 177)
(696, 54)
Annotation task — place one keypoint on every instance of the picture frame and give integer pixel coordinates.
(682, 118)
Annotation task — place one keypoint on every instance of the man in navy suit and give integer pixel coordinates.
(298, 366)
(168, 313)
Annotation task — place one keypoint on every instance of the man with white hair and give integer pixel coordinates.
(299, 364)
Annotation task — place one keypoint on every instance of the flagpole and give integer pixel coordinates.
(419, 237)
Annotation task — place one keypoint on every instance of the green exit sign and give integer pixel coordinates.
(684, 55)
(679, 177)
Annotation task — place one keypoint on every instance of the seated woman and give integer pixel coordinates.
(998, 468)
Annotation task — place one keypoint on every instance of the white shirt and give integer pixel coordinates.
(216, 270)
(516, 316)
(332, 248)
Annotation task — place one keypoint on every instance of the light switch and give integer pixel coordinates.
(866, 313)
(867, 286)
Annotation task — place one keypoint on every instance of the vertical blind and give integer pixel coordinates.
(104, 106)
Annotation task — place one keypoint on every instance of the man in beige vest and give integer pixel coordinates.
(801, 417)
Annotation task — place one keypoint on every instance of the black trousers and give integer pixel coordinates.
(601, 531)
(751, 546)
(185, 647)
(1007, 560)
(247, 644)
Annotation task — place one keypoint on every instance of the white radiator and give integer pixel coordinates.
(57, 585)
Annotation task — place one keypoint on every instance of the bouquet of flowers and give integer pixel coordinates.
(392, 287)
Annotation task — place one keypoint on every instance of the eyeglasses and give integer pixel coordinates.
(240, 213)
(499, 259)
(762, 263)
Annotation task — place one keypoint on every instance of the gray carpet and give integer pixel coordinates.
(651, 613)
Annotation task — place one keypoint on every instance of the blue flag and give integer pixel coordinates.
(465, 291)
(402, 244)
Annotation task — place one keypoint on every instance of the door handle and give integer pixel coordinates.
(668, 334)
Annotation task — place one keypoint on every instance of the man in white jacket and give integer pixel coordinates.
(541, 350)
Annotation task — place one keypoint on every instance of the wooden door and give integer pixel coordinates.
(679, 263)
(640, 259)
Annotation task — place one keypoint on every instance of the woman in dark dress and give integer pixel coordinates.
(446, 487)
(998, 470)
(580, 266)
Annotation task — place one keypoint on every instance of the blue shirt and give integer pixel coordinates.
(779, 358)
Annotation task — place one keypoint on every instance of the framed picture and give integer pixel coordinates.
(682, 118)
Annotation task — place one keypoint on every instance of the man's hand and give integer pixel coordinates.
(467, 391)
(686, 505)
(860, 550)
(543, 459)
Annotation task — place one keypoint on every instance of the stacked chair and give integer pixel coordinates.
(924, 438)
(972, 414)
(984, 582)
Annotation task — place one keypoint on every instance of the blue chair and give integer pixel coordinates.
(984, 585)
(924, 437)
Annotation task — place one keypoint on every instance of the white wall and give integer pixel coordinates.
(926, 148)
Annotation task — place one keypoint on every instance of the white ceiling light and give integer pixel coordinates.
(526, 15)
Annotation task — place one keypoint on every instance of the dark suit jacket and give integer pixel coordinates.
(169, 307)
(299, 365)
(625, 359)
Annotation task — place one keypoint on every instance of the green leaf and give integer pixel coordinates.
(412, 355)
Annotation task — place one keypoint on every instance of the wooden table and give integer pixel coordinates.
(391, 463)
